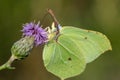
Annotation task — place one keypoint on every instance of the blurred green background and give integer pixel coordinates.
(99, 15)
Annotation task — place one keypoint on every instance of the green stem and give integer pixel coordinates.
(7, 65)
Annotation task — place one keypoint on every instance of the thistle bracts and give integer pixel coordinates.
(22, 47)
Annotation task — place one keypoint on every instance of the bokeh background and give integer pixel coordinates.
(99, 15)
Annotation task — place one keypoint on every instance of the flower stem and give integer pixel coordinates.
(7, 65)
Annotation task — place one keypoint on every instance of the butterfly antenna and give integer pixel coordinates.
(44, 17)
(54, 19)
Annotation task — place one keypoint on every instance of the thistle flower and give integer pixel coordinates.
(39, 34)
(22, 47)
(33, 34)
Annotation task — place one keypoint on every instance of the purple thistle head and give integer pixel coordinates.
(39, 34)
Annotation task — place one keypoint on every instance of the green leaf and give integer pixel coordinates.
(63, 59)
(91, 43)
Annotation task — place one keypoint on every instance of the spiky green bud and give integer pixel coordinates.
(22, 47)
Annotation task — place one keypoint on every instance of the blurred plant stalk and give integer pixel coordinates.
(20, 50)
(7, 65)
